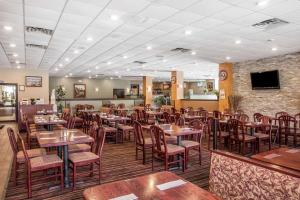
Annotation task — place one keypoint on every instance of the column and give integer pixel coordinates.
(177, 88)
(225, 85)
(147, 89)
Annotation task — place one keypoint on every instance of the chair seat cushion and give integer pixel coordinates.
(126, 128)
(45, 162)
(261, 135)
(173, 149)
(247, 137)
(73, 148)
(189, 143)
(31, 154)
(148, 141)
(83, 157)
(171, 139)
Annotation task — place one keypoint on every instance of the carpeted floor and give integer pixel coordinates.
(118, 163)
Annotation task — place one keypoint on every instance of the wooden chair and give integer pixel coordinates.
(165, 118)
(141, 143)
(166, 152)
(222, 135)
(264, 133)
(110, 132)
(42, 163)
(288, 127)
(217, 114)
(257, 116)
(238, 135)
(125, 130)
(18, 156)
(195, 143)
(82, 159)
(244, 118)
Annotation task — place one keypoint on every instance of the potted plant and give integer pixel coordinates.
(60, 95)
(234, 102)
(32, 101)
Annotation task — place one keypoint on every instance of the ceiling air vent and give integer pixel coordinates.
(270, 24)
(38, 29)
(36, 46)
(179, 49)
(139, 62)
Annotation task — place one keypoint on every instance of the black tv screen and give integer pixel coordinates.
(265, 80)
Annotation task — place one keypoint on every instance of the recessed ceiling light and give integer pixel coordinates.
(88, 71)
(70, 74)
(274, 49)
(193, 53)
(149, 47)
(17, 62)
(56, 69)
(7, 28)
(164, 60)
(228, 57)
(187, 32)
(97, 67)
(67, 59)
(12, 45)
(141, 74)
(111, 78)
(18, 67)
(116, 72)
(90, 77)
(262, 3)
(119, 76)
(76, 51)
(89, 39)
(60, 65)
(80, 81)
(125, 57)
(15, 55)
(66, 76)
(114, 17)
(128, 69)
(173, 68)
(96, 75)
(238, 42)
(109, 63)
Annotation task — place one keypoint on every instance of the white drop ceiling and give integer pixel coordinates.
(125, 28)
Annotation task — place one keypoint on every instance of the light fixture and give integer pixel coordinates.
(90, 77)
(109, 63)
(67, 59)
(96, 89)
(12, 45)
(70, 74)
(119, 76)
(17, 62)
(18, 67)
(111, 78)
(228, 57)
(274, 49)
(60, 65)
(80, 81)
(76, 51)
(187, 32)
(164, 60)
(88, 71)
(96, 75)
(7, 28)
(89, 39)
(116, 72)
(66, 76)
(15, 55)
(114, 17)
(125, 57)
(56, 69)
(97, 67)
(128, 69)
(262, 3)
(149, 47)
(238, 42)
(193, 53)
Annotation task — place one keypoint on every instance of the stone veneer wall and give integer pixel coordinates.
(269, 102)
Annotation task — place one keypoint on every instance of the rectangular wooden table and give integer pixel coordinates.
(145, 187)
(61, 139)
(48, 120)
(284, 157)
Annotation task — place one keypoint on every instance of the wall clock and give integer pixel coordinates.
(223, 75)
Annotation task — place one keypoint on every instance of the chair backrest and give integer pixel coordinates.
(287, 122)
(236, 128)
(166, 117)
(71, 123)
(257, 116)
(279, 114)
(99, 141)
(121, 106)
(239, 112)
(98, 119)
(217, 114)
(158, 139)
(12, 140)
(138, 131)
(197, 124)
(182, 110)
(180, 121)
(27, 161)
(244, 118)
(297, 117)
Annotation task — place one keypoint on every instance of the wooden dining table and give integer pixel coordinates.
(161, 185)
(284, 157)
(61, 139)
(48, 120)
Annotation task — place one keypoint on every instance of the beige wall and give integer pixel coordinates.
(18, 76)
(105, 86)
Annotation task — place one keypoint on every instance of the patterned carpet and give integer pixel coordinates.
(118, 163)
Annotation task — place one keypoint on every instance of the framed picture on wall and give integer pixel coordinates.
(21, 87)
(79, 90)
(33, 81)
(210, 86)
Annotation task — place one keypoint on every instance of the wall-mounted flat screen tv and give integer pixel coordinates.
(265, 80)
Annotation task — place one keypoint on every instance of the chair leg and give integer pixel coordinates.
(91, 169)
(200, 155)
(186, 152)
(152, 160)
(15, 168)
(184, 163)
(74, 176)
(100, 167)
(144, 155)
(61, 177)
(29, 185)
(166, 163)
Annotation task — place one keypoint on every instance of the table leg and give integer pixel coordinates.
(66, 166)
(178, 156)
(59, 151)
(50, 127)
